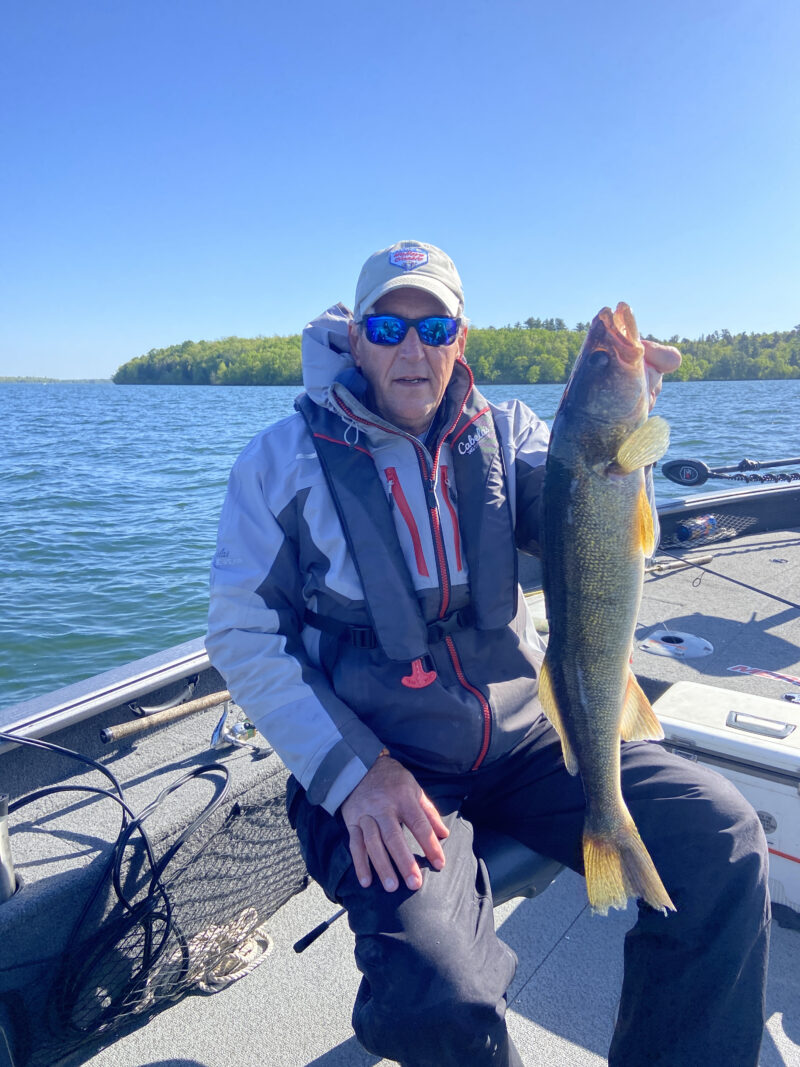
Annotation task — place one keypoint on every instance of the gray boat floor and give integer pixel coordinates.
(294, 1010)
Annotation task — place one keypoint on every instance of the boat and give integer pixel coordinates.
(153, 901)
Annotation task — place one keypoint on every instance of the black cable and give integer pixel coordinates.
(50, 746)
(80, 958)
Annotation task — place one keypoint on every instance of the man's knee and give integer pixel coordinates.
(444, 1015)
(435, 974)
(705, 838)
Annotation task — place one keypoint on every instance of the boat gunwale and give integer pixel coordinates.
(52, 711)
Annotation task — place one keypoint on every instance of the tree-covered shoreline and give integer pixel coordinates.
(535, 351)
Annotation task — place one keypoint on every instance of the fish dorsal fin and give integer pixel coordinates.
(644, 521)
(644, 446)
(548, 701)
(639, 721)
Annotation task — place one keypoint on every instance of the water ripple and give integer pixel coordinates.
(109, 498)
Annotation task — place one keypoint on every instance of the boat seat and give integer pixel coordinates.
(514, 869)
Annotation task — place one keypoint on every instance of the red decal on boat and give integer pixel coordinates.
(453, 516)
(487, 715)
(419, 677)
(399, 498)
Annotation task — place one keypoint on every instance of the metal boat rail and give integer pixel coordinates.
(50, 712)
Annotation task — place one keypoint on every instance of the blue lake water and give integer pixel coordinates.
(109, 498)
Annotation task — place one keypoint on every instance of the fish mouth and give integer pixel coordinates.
(623, 333)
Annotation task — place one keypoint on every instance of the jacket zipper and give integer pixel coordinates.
(484, 703)
(429, 481)
(453, 516)
(399, 498)
(441, 557)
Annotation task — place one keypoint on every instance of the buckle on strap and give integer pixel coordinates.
(358, 636)
(365, 637)
(458, 620)
(362, 637)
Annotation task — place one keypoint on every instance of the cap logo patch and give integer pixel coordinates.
(408, 258)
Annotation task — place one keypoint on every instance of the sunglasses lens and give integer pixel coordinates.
(385, 329)
(437, 330)
(391, 329)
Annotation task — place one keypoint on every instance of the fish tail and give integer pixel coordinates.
(618, 866)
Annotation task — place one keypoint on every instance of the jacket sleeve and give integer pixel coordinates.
(255, 641)
(528, 437)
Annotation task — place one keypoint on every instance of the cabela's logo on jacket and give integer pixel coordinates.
(469, 444)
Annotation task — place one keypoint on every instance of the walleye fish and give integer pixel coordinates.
(597, 529)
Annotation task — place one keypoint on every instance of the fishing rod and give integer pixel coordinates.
(699, 563)
(691, 472)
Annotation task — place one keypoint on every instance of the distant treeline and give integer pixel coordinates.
(17, 380)
(536, 350)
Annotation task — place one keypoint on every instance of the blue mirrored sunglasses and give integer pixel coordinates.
(391, 329)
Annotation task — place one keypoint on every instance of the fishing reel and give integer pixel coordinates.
(238, 734)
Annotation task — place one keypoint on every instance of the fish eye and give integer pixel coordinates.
(599, 358)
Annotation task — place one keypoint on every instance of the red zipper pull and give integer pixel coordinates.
(419, 677)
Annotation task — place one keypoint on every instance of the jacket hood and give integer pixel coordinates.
(326, 354)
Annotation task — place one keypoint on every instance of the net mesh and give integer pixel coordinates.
(201, 927)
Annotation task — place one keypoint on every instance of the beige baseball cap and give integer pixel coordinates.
(409, 264)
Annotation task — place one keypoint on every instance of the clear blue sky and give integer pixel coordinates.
(189, 169)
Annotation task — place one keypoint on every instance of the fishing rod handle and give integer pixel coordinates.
(160, 718)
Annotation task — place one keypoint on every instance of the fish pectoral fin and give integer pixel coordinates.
(639, 722)
(549, 703)
(644, 446)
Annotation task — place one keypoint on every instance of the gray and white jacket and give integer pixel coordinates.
(364, 589)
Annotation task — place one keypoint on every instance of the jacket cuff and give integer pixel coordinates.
(339, 774)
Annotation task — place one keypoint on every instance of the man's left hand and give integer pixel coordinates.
(658, 360)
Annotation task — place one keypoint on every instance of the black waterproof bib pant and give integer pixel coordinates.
(435, 975)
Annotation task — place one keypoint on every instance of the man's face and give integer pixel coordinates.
(409, 379)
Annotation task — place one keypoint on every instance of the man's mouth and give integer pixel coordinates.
(410, 381)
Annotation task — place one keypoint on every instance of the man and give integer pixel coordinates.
(365, 613)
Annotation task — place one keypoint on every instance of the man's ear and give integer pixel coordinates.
(462, 341)
(354, 338)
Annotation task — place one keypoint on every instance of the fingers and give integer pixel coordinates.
(387, 799)
(439, 826)
(428, 829)
(382, 846)
(662, 358)
(358, 850)
(407, 866)
(659, 360)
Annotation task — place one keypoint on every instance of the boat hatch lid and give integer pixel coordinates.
(752, 729)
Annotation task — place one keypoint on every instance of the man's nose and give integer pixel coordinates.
(411, 347)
